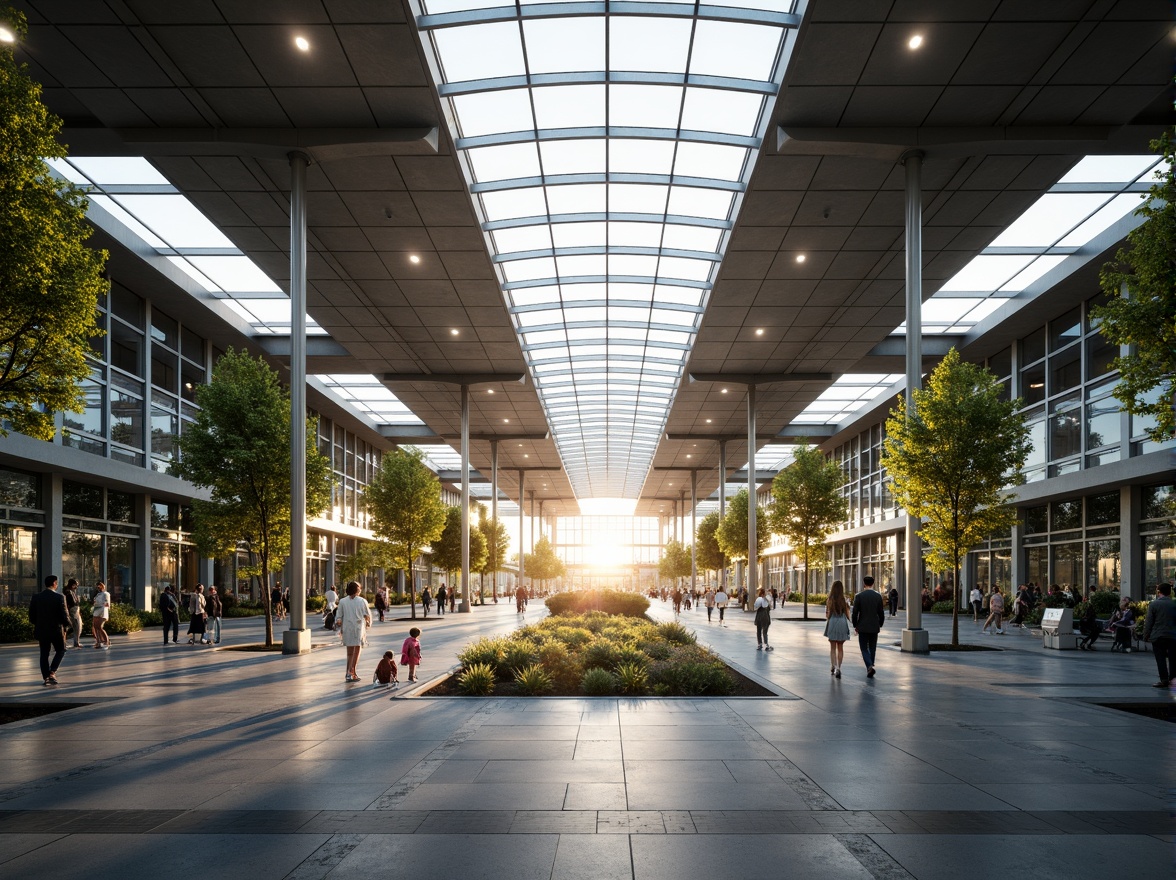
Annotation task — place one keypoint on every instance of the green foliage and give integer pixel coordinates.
(599, 652)
(1141, 312)
(51, 281)
(945, 607)
(543, 564)
(485, 650)
(497, 542)
(477, 680)
(313, 603)
(675, 561)
(239, 448)
(14, 624)
(676, 633)
(732, 531)
(150, 618)
(608, 601)
(517, 655)
(533, 680)
(692, 672)
(813, 598)
(806, 505)
(657, 650)
(228, 600)
(123, 619)
(1105, 602)
(241, 611)
(953, 461)
(446, 549)
(598, 683)
(707, 553)
(632, 678)
(629, 655)
(404, 500)
(565, 669)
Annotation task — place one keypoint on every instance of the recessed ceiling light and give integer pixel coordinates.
(708, 421)
(414, 258)
(723, 390)
(916, 41)
(489, 390)
(526, 455)
(302, 43)
(800, 258)
(688, 455)
(7, 36)
(454, 331)
(759, 331)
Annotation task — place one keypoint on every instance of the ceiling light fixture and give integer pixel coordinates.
(7, 36)
(800, 258)
(688, 455)
(489, 390)
(723, 390)
(454, 331)
(414, 259)
(507, 420)
(915, 42)
(759, 331)
(708, 421)
(302, 43)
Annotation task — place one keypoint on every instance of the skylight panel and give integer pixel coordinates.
(558, 45)
(539, 318)
(629, 291)
(722, 111)
(1035, 270)
(568, 235)
(652, 44)
(691, 238)
(634, 234)
(236, 274)
(947, 310)
(581, 292)
(192, 272)
(494, 112)
(573, 156)
(505, 162)
(632, 264)
(119, 170)
(690, 201)
(176, 220)
(710, 160)
(986, 272)
(1048, 219)
(637, 198)
(735, 49)
(633, 156)
(533, 296)
(673, 316)
(1116, 170)
(522, 238)
(569, 106)
(587, 264)
(1103, 219)
(128, 220)
(643, 106)
(529, 270)
(463, 51)
(576, 198)
(510, 204)
(628, 313)
(667, 293)
(686, 269)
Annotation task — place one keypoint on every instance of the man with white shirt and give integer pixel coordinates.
(721, 600)
(332, 598)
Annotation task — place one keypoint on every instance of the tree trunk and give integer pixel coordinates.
(955, 605)
(411, 588)
(805, 587)
(269, 606)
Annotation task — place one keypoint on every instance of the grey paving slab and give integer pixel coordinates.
(596, 796)
(592, 857)
(517, 732)
(599, 750)
(487, 796)
(552, 771)
(747, 857)
(877, 794)
(456, 771)
(296, 796)
(85, 795)
(1108, 796)
(712, 796)
(24, 844)
(686, 751)
(454, 855)
(1053, 857)
(678, 731)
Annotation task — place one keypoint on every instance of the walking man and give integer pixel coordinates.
(1159, 628)
(721, 600)
(709, 599)
(215, 609)
(49, 618)
(441, 597)
(869, 614)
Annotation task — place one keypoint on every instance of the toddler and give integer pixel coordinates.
(410, 653)
(386, 671)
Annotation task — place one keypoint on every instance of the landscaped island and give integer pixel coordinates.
(612, 651)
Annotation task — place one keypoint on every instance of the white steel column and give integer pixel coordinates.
(693, 532)
(752, 543)
(464, 608)
(493, 515)
(296, 640)
(723, 502)
(914, 638)
(522, 553)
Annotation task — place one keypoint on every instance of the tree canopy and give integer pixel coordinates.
(543, 564)
(675, 561)
(806, 505)
(497, 541)
(404, 500)
(447, 547)
(239, 448)
(1141, 311)
(732, 531)
(707, 553)
(954, 460)
(51, 281)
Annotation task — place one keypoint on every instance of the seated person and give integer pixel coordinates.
(386, 671)
(1090, 627)
(1122, 625)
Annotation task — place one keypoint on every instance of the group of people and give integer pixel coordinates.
(353, 619)
(445, 596)
(204, 615)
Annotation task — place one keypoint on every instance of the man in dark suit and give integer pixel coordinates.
(49, 618)
(869, 613)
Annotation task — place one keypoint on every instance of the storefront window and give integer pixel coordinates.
(81, 558)
(18, 565)
(1102, 564)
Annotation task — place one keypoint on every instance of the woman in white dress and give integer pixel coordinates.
(836, 627)
(100, 614)
(353, 618)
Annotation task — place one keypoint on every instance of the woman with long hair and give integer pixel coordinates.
(353, 618)
(99, 615)
(836, 627)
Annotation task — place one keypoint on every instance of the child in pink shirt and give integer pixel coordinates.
(410, 653)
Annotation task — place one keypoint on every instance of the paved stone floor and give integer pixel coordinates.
(228, 764)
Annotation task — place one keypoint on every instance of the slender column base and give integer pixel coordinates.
(916, 641)
(296, 641)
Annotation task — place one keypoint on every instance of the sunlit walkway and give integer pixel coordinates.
(987, 764)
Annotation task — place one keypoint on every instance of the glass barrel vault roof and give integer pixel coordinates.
(607, 147)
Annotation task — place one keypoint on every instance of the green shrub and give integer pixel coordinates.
(564, 669)
(477, 680)
(608, 601)
(228, 600)
(573, 636)
(676, 633)
(595, 621)
(1105, 602)
(314, 603)
(150, 618)
(484, 650)
(627, 655)
(518, 655)
(123, 619)
(657, 650)
(14, 624)
(239, 611)
(632, 678)
(693, 678)
(533, 680)
(598, 683)
(662, 690)
(599, 652)
(1033, 618)
(398, 599)
(943, 607)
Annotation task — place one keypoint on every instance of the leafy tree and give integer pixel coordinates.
(732, 531)
(497, 541)
(447, 547)
(807, 504)
(675, 561)
(50, 280)
(239, 448)
(707, 553)
(404, 499)
(542, 564)
(953, 460)
(1141, 312)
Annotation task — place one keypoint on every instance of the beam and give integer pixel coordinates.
(409, 434)
(759, 379)
(740, 476)
(932, 345)
(316, 346)
(453, 378)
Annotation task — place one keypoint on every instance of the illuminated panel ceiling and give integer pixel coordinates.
(607, 148)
